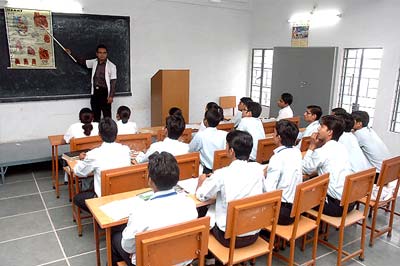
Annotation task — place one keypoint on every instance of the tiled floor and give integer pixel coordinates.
(36, 228)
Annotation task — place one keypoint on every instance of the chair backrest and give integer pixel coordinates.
(305, 143)
(86, 143)
(188, 165)
(226, 102)
(136, 142)
(221, 159)
(226, 126)
(294, 119)
(186, 136)
(265, 149)
(390, 171)
(124, 179)
(269, 127)
(173, 244)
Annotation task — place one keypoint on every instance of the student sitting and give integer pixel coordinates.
(108, 156)
(210, 105)
(210, 139)
(326, 155)
(241, 105)
(311, 116)
(284, 103)
(358, 161)
(252, 124)
(238, 180)
(370, 143)
(165, 207)
(175, 111)
(85, 128)
(284, 170)
(175, 125)
(338, 111)
(124, 126)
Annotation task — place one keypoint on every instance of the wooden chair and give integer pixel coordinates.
(245, 215)
(294, 119)
(136, 142)
(228, 127)
(356, 187)
(174, 244)
(227, 102)
(265, 150)
(221, 159)
(305, 143)
(390, 171)
(269, 127)
(188, 165)
(309, 194)
(186, 136)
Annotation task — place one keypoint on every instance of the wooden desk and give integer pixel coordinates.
(55, 141)
(152, 130)
(105, 222)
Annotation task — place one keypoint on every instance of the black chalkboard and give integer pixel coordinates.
(81, 33)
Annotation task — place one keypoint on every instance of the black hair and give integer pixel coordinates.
(211, 105)
(287, 98)
(361, 116)
(163, 170)
(86, 117)
(101, 46)
(175, 111)
(288, 132)
(241, 142)
(334, 123)
(348, 121)
(175, 125)
(315, 110)
(108, 130)
(245, 100)
(213, 116)
(339, 111)
(254, 108)
(124, 113)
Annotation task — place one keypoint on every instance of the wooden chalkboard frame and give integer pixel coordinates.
(81, 33)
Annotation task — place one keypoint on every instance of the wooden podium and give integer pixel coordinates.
(169, 88)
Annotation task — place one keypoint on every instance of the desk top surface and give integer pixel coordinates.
(56, 140)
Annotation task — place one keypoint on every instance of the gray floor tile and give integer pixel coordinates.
(58, 263)
(45, 184)
(41, 173)
(33, 251)
(51, 200)
(20, 205)
(15, 175)
(24, 225)
(89, 259)
(18, 189)
(62, 217)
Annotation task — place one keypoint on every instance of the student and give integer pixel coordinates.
(284, 170)
(312, 115)
(284, 103)
(124, 126)
(108, 156)
(209, 140)
(326, 155)
(358, 161)
(338, 111)
(238, 180)
(370, 143)
(175, 111)
(85, 128)
(165, 207)
(241, 105)
(209, 106)
(175, 125)
(252, 124)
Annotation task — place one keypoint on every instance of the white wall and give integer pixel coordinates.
(365, 23)
(213, 42)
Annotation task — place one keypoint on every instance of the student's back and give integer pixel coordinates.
(85, 128)
(124, 125)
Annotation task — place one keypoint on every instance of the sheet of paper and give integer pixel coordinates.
(189, 185)
(120, 209)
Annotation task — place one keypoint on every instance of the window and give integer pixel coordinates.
(261, 76)
(360, 79)
(395, 122)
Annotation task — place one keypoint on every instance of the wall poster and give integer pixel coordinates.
(29, 43)
(300, 36)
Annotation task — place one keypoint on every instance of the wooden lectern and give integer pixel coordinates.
(169, 88)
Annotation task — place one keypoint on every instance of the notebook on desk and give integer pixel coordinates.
(73, 155)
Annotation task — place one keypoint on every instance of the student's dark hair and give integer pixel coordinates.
(241, 142)
(124, 113)
(175, 125)
(315, 110)
(334, 123)
(108, 130)
(254, 108)
(86, 117)
(245, 100)
(175, 111)
(163, 170)
(348, 121)
(101, 46)
(338, 111)
(211, 105)
(288, 132)
(287, 98)
(361, 116)
(213, 116)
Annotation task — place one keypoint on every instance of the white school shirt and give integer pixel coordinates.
(331, 158)
(173, 146)
(310, 129)
(127, 128)
(238, 180)
(285, 112)
(207, 142)
(284, 172)
(107, 156)
(202, 126)
(358, 161)
(110, 72)
(237, 118)
(164, 208)
(76, 131)
(255, 127)
(372, 146)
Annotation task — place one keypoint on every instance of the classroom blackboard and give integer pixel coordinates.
(81, 33)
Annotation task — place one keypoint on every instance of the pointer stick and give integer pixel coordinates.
(62, 47)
